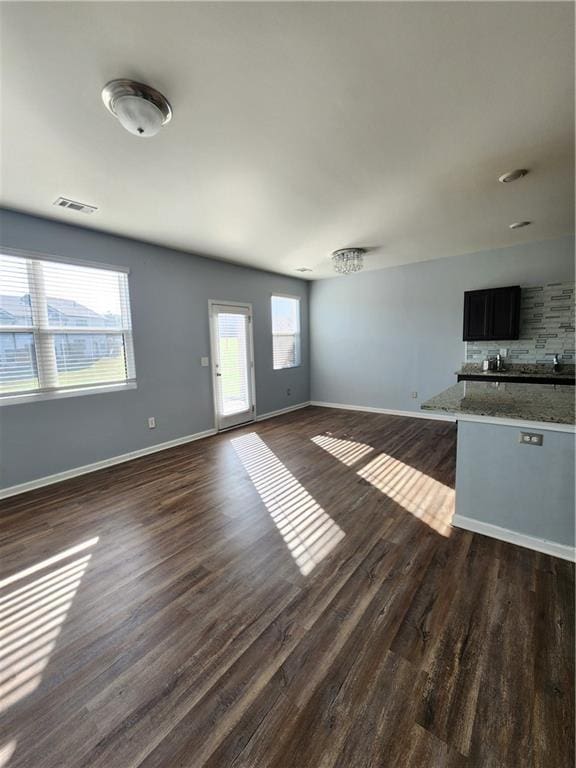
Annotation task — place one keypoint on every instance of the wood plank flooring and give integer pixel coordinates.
(286, 595)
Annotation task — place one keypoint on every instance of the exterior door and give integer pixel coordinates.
(232, 363)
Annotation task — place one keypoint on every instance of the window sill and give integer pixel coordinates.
(35, 397)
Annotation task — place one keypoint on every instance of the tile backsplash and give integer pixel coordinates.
(546, 328)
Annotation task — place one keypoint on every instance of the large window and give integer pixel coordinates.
(63, 327)
(285, 332)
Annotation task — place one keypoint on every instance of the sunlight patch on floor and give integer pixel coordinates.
(6, 752)
(421, 495)
(31, 618)
(309, 532)
(46, 563)
(346, 451)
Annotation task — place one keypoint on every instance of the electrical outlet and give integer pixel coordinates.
(204, 362)
(414, 395)
(289, 391)
(530, 438)
(151, 422)
(504, 352)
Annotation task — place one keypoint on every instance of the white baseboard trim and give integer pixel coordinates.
(14, 490)
(282, 411)
(388, 411)
(513, 537)
(40, 482)
(95, 466)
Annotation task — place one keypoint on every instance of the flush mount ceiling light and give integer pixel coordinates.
(506, 178)
(140, 109)
(520, 224)
(348, 260)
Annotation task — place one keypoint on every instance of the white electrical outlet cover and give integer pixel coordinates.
(503, 352)
(204, 362)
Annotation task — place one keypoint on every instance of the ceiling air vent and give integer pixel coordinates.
(64, 202)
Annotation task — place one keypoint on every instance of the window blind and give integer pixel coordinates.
(62, 326)
(285, 332)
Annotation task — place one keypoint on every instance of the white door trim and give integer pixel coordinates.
(245, 305)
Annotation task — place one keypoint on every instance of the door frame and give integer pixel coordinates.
(251, 363)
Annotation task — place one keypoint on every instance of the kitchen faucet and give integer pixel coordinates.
(557, 364)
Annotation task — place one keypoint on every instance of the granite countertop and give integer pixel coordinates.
(518, 370)
(552, 403)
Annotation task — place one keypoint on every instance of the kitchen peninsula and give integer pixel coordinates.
(515, 461)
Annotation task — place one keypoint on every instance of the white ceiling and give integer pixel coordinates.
(298, 128)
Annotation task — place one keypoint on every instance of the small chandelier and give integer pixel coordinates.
(348, 260)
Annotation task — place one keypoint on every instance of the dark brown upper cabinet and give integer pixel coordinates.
(492, 314)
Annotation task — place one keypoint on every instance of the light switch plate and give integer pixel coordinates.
(204, 362)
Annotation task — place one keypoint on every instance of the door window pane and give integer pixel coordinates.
(233, 363)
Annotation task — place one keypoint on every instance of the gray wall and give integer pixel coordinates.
(169, 296)
(524, 488)
(378, 336)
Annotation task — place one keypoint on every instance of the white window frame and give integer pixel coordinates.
(299, 334)
(43, 333)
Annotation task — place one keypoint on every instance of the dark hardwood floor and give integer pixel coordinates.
(290, 595)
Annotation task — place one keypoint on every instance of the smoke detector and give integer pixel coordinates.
(303, 269)
(139, 108)
(64, 202)
(506, 178)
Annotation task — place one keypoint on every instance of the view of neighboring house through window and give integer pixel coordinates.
(62, 327)
(285, 332)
